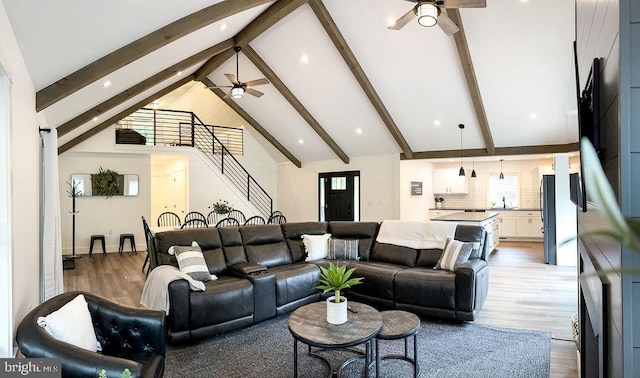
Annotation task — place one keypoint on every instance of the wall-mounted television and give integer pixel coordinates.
(588, 101)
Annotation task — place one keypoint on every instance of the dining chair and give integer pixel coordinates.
(168, 218)
(277, 219)
(226, 222)
(239, 215)
(254, 220)
(148, 236)
(194, 223)
(195, 215)
(213, 218)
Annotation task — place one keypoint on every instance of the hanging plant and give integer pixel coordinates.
(105, 183)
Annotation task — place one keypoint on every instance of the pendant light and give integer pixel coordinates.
(473, 170)
(501, 174)
(461, 173)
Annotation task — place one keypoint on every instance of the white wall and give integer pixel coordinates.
(566, 215)
(21, 280)
(379, 175)
(416, 207)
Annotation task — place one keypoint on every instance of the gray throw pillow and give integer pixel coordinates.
(191, 261)
(455, 253)
(345, 249)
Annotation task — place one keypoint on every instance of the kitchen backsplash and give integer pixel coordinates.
(478, 199)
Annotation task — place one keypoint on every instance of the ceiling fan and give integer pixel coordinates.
(432, 12)
(238, 89)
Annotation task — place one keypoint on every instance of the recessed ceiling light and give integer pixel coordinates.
(223, 26)
(391, 22)
(107, 83)
(178, 73)
(436, 122)
(301, 141)
(95, 119)
(358, 131)
(533, 116)
(523, 1)
(304, 58)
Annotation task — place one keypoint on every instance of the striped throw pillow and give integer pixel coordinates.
(346, 249)
(455, 253)
(191, 261)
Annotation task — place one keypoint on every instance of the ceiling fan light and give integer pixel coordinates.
(237, 92)
(427, 13)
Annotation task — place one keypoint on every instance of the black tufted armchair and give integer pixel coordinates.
(131, 338)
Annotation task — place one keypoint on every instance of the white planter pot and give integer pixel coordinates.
(336, 312)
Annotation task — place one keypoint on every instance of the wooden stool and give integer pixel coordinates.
(398, 325)
(93, 239)
(123, 237)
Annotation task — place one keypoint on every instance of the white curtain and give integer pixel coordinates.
(52, 284)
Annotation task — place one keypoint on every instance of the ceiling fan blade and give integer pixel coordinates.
(232, 78)
(220, 86)
(446, 24)
(402, 21)
(228, 95)
(465, 4)
(253, 83)
(253, 92)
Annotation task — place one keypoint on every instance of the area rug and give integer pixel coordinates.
(265, 350)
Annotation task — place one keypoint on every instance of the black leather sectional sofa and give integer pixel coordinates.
(262, 273)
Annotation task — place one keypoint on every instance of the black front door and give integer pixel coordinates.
(339, 196)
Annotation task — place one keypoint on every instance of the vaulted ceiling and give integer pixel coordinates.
(341, 81)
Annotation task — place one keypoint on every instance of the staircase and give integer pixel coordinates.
(157, 127)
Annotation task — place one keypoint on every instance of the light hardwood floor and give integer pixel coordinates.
(523, 293)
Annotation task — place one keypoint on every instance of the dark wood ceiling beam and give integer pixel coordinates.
(470, 76)
(156, 79)
(255, 124)
(139, 48)
(276, 12)
(356, 69)
(297, 105)
(103, 125)
(500, 151)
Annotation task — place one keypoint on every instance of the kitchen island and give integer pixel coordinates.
(488, 220)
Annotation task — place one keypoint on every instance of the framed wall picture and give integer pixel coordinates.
(416, 188)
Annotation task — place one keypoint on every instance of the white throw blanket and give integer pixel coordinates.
(416, 235)
(156, 290)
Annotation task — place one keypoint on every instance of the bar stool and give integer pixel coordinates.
(93, 239)
(123, 237)
(398, 325)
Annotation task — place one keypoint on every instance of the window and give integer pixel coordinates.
(338, 183)
(506, 188)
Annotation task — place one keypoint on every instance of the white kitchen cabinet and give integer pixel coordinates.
(507, 225)
(447, 181)
(529, 224)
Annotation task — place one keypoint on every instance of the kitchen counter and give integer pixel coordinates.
(481, 210)
(467, 216)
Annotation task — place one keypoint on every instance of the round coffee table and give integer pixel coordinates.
(399, 325)
(309, 325)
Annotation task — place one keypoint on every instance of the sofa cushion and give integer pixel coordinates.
(426, 287)
(455, 253)
(378, 279)
(223, 300)
(295, 281)
(72, 324)
(232, 245)
(394, 254)
(207, 238)
(365, 232)
(293, 234)
(191, 261)
(343, 249)
(265, 245)
(316, 246)
(429, 257)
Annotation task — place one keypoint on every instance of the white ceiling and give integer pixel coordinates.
(521, 51)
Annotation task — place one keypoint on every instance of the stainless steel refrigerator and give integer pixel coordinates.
(548, 213)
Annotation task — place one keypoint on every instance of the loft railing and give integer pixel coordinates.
(181, 128)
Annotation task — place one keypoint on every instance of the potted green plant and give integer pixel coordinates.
(105, 183)
(336, 278)
(222, 207)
